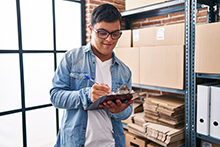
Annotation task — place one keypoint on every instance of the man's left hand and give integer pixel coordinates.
(116, 107)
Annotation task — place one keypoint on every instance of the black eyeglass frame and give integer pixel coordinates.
(97, 31)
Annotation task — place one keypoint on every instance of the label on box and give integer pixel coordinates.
(206, 144)
(160, 33)
(135, 35)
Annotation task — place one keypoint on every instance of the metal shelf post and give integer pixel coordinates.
(192, 73)
(190, 23)
(187, 79)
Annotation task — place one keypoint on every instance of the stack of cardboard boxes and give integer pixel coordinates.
(169, 110)
(165, 136)
(159, 134)
(165, 110)
(156, 57)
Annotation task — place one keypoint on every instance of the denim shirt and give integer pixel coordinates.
(71, 92)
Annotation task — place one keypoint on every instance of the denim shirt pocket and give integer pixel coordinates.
(117, 85)
(78, 80)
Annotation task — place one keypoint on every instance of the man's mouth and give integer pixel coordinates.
(107, 44)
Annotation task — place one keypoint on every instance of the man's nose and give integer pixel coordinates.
(109, 38)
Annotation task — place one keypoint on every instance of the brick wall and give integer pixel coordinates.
(147, 22)
(173, 18)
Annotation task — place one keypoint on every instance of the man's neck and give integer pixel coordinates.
(101, 56)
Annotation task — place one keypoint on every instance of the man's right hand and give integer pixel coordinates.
(99, 90)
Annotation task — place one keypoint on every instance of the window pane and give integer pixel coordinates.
(10, 95)
(11, 130)
(59, 58)
(38, 73)
(8, 25)
(41, 127)
(37, 24)
(68, 24)
(60, 116)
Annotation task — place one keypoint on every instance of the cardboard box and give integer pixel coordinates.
(207, 48)
(170, 35)
(162, 66)
(125, 132)
(132, 140)
(205, 143)
(131, 4)
(144, 37)
(130, 56)
(159, 36)
(152, 144)
(125, 39)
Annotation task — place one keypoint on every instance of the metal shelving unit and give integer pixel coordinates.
(212, 17)
(190, 7)
(177, 91)
(153, 10)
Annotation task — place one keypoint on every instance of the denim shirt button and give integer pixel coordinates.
(116, 135)
(85, 107)
(112, 73)
(113, 120)
(113, 89)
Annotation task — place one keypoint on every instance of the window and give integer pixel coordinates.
(34, 35)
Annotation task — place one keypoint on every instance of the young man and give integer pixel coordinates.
(74, 93)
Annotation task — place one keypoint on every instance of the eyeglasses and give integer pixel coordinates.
(103, 34)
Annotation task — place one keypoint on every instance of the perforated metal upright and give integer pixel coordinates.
(190, 23)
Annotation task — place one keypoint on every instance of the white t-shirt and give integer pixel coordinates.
(99, 132)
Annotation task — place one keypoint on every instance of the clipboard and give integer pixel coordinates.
(111, 97)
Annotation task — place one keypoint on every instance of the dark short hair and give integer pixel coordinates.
(105, 12)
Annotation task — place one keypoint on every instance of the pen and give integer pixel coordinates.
(90, 79)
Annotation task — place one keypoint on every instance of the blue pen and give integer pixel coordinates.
(90, 79)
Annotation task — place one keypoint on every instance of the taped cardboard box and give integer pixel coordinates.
(130, 56)
(159, 36)
(162, 66)
(131, 4)
(207, 48)
(125, 39)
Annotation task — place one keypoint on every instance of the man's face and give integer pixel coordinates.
(102, 48)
